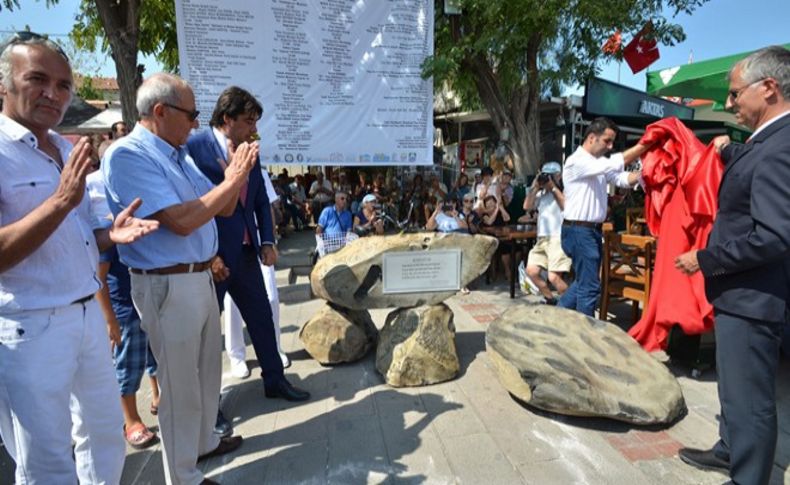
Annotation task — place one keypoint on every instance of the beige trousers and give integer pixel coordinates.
(181, 317)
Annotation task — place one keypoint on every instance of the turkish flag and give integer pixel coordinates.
(641, 51)
(613, 44)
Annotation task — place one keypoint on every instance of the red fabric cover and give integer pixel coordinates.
(681, 189)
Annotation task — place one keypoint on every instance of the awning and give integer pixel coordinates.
(698, 80)
(102, 121)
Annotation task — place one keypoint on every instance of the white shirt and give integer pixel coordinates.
(446, 223)
(98, 197)
(585, 178)
(320, 197)
(549, 214)
(768, 123)
(267, 182)
(63, 268)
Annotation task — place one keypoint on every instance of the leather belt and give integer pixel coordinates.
(594, 225)
(83, 300)
(175, 269)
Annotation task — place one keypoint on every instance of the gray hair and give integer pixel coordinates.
(6, 66)
(161, 88)
(773, 62)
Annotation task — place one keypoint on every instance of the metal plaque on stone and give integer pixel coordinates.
(421, 271)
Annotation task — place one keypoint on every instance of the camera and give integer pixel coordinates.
(543, 178)
(448, 206)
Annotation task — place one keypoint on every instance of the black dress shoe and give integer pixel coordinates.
(285, 390)
(223, 427)
(704, 459)
(226, 445)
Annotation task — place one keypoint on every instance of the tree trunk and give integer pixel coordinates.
(526, 112)
(121, 22)
(519, 114)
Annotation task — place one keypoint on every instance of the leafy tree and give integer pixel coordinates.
(505, 55)
(123, 28)
(87, 90)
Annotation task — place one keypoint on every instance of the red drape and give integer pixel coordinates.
(681, 185)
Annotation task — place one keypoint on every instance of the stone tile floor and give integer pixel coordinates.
(357, 430)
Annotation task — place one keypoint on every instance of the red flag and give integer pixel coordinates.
(641, 51)
(613, 44)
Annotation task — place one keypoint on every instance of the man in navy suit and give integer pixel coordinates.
(241, 240)
(746, 269)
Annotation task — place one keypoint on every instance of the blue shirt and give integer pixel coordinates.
(334, 223)
(144, 165)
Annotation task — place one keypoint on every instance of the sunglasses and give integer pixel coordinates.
(734, 93)
(192, 115)
(25, 35)
(467, 201)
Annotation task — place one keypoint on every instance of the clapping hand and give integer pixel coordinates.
(71, 188)
(242, 159)
(126, 228)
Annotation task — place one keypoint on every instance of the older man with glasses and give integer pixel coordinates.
(746, 265)
(335, 219)
(56, 376)
(172, 285)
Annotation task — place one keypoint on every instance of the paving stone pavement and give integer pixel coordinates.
(358, 430)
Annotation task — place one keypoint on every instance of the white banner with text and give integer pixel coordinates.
(339, 80)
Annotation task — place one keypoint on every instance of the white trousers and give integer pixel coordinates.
(181, 317)
(57, 383)
(234, 330)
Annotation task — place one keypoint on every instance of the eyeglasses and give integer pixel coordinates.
(734, 93)
(25, 35)
(467, 201)
(192, 115)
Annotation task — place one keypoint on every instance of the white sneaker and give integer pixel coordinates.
(239, 369)
(286, 360)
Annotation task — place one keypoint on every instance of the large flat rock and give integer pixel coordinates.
(351, 277)
(335, 335)
(562, 361)
(417, 346)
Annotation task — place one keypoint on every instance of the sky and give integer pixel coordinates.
(718, 28)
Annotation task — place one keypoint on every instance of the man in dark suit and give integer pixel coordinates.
(242, 240)
(746, 269)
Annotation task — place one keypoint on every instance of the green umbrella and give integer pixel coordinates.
(698, 80)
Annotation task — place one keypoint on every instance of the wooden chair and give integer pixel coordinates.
(635, 221)
(626, 271)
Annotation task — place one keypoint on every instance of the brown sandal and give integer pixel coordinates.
(139, 436)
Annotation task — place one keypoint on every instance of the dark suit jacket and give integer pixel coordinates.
(745, 264)
(204, 150)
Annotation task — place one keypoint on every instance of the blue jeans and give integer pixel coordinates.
(583, 246)
(133, 355)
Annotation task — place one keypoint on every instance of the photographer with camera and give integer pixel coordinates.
(368, 220)
(546, 195)
(446, 219)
